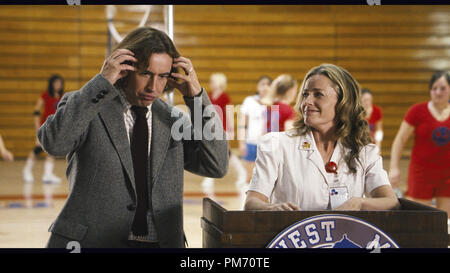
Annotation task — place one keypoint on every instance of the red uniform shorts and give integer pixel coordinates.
(426, 183)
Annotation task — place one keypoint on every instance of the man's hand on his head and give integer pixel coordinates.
(188, 85)
(117, 65)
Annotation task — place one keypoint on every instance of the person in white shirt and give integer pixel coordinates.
(251, 126)
(254, 113)
(327, 161)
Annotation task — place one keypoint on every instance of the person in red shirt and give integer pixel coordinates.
(49, 101)
(429, 167)
(220, 99)
(218, 96)
(374, 117)
(280, 114)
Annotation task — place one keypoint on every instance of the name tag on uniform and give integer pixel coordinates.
(338, 196)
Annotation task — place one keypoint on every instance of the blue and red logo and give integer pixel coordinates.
(441, 136)
(332, 231)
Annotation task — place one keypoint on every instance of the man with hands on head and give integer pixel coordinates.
(125, 168)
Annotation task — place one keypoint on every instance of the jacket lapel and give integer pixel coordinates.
(112, 116)
(308, 145)
(161, 128)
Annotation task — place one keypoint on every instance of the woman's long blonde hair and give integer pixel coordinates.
(352, 130)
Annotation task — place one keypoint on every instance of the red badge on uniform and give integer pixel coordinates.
(331, 167)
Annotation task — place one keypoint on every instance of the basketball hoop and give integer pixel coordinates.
(111, 11)
(114, 36)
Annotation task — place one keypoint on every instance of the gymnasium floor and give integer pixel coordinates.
(26, 211)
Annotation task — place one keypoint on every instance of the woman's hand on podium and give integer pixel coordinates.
(354, 203)
(258, 201)
(283, 207)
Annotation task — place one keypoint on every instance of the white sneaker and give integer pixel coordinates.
(51, 179)
(28, 176)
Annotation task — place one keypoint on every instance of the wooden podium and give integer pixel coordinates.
(412, 226)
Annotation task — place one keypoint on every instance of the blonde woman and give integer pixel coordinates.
(327, 161)
(220, 99)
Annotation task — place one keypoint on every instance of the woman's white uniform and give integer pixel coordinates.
(290, 169)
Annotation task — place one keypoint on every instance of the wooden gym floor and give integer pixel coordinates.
(26, 211)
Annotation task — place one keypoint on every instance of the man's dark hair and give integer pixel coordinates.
(143, 42)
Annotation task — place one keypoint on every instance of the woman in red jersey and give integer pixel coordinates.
(429, 167)
(280, 114)
(49, 101)
(374, 117)
(220, 99)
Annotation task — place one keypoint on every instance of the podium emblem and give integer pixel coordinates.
(332, 231)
